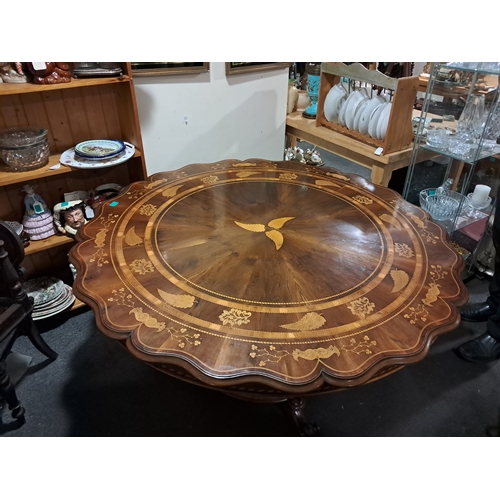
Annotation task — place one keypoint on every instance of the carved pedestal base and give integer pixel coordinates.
(294, 410)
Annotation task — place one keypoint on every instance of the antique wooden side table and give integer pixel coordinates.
(269, 281)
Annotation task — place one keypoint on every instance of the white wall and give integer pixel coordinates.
(227, 117)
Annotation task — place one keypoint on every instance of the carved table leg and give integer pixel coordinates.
(31, 330)
(8, 392)
(294, 410)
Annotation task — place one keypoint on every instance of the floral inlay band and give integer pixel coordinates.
(361, 307)
(288, 177)
(271, 354)
(141, 266)
(147, 209)
(100, 240)
(124, 299)
(420, 312)
(210, 179)
(403, 250)
(364, 200)
(235, 317)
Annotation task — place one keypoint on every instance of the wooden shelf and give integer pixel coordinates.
(7, 178)
(83, 109)
(77, 304)
(52, 242)
(26, 88)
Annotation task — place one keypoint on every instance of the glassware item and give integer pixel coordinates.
(446, 186)
(437, 138)
(471, 122)
(492, 131)
(476, 202)
(24, 148)
(458, 146)
(444, 205)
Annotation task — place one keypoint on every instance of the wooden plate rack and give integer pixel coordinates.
(403, 92)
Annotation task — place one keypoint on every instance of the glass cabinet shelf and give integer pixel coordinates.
(459, 122)
(487, 70)
(467, 159)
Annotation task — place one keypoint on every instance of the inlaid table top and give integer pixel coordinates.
(266, 278)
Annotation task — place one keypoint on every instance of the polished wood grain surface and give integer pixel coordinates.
(268, 278)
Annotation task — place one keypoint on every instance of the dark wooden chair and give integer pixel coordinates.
(15, 314)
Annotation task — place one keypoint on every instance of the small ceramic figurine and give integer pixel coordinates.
(50, 73)
(13, 72)
(38, 222)
(33, 202)
(69, 216)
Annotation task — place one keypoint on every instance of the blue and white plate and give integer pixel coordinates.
(99, 149)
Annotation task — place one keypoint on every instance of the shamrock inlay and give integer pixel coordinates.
(273, 235)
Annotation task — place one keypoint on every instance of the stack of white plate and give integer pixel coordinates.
(51, 296)
(357, 111)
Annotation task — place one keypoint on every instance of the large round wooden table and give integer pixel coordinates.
(269, 281)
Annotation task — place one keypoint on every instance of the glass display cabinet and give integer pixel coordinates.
(460, 123)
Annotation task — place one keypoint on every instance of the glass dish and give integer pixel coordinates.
(443, 206)
(24, 148)
(437, 138)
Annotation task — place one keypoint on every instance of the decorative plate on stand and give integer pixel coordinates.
(70, 159)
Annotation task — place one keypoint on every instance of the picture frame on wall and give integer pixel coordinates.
(168, 68)
(236, 68)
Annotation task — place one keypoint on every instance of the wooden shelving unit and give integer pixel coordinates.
(84, 109)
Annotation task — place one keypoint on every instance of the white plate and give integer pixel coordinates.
(384, 122)
(357, 113)
(330, 108)
(345, 107)
(340, 104)
(372, 127)
(364, 120)
(353, 106)
(69, 159)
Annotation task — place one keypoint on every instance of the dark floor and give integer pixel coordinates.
(96, 388)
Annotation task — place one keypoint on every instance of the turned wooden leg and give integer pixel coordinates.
(294, 410)
(8, 392)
